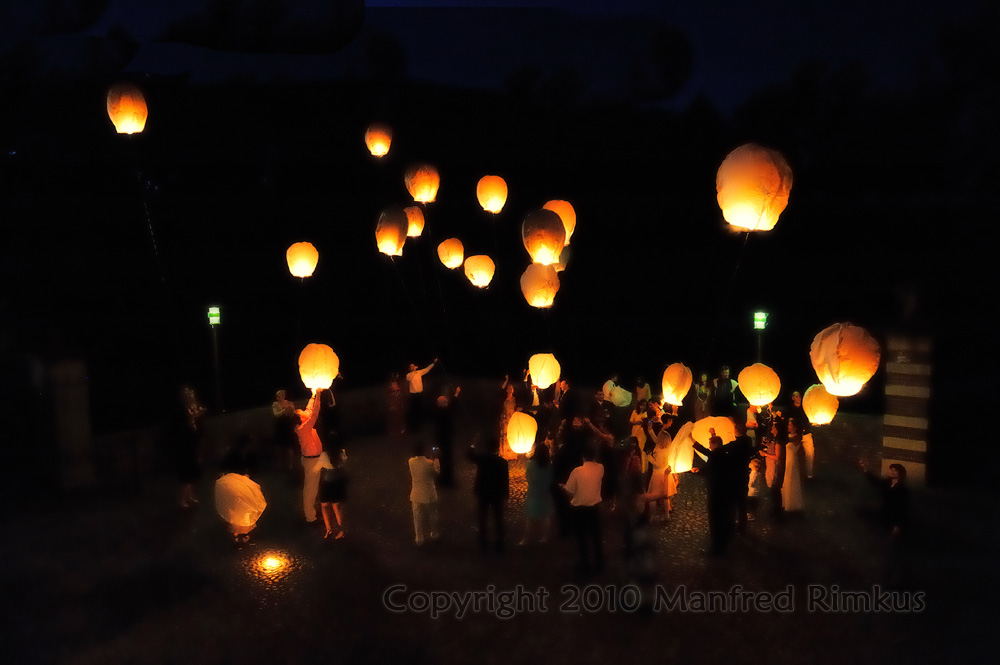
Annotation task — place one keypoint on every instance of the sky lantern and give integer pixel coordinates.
(390, 232)
(676, 383)
(544, 369)
(127, 108)
(820, 406)
(759, 384)
(318, 366)
(492, 193)
(566, 213)
(302, 258)
(451, 252)
(544, 236)
(680, 453)
(539, 284)
(415, 221)
(723, 426)
(422, 181)
(521, 431)
(563, 259)
(479, 269)
(753, 184)
(844, 357)
(239, 501)
(377, 138)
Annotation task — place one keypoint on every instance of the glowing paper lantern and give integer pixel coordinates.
(492, 193)
(753, 184)
(451, 252)
(722, 425)
(544, 236)
(414, 221)
(563, 259)
(544, 369)
(676, 383)
(378, 138)
(680, 454)
(566, 214)
(391, 230)
(759, 384)
(521, 430)
(844, 357)
(127, 108)
(539, 284)
(422, 181)
(318, 366)
(479, 269)
(302, 258)
(820, 406)
(239, 500)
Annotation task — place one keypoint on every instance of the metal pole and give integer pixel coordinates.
(760, 337)
(215, 363)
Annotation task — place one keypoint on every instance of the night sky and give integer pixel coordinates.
(885, 112)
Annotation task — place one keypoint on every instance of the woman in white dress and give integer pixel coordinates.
(662, 484)
(791, 490)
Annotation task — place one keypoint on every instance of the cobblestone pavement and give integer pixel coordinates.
(131, 579)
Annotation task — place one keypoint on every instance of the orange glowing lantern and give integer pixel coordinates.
(451, 252)
(127, 108)
(844, 357)
(378, 138)
(415, 221)
(544, 369)
(753, 185)
(302, 258)
(239, 501)
(723, 426)
(318, 366)
(492, 193)
(544, 236)
(566, 213)
(680, 453)
(820, 406)
(676, 383)
(563, 259)
(391, 230)
(479, 269)
(759, 384)
(521, 431)
(422, 181)
(539, 284)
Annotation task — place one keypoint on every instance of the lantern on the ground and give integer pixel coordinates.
(759, 384)
(318, 366)
(676, 383)
(302, 258)
(820, 406)
(451, 252)
(378, 138)
(390, 232)
(492, 193)
(422, 181)
(539, 285)
(544, 236)
(479, 269)
(544, 369)
(723, 426)
(127, 108)
(566, 213)
(414, 221)
(239, 501)
(844, 357)
(521, 431)
(680, 453)
(563, 259)
(753, 184)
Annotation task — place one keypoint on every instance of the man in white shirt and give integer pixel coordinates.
(415, 385)
(423, 493)
(584, 489)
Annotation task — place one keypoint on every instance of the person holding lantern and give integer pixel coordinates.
(508, 409)
(662, 486)
(798, 414)
(720, 494)
(415, 395)
(313, 458)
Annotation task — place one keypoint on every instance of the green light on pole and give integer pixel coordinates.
(759, 320)
(214, 316)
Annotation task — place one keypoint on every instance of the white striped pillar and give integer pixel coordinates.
(907, 401)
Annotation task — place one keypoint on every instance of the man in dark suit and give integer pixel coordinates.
(491, 487)
(720, 492)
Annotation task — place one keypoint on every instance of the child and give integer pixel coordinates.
(332, 493)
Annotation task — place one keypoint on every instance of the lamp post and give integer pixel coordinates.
(214, 319)
(759, 323)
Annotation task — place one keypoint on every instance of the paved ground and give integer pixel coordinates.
(130, 579)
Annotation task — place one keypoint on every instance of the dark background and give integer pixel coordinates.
(889, 225)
